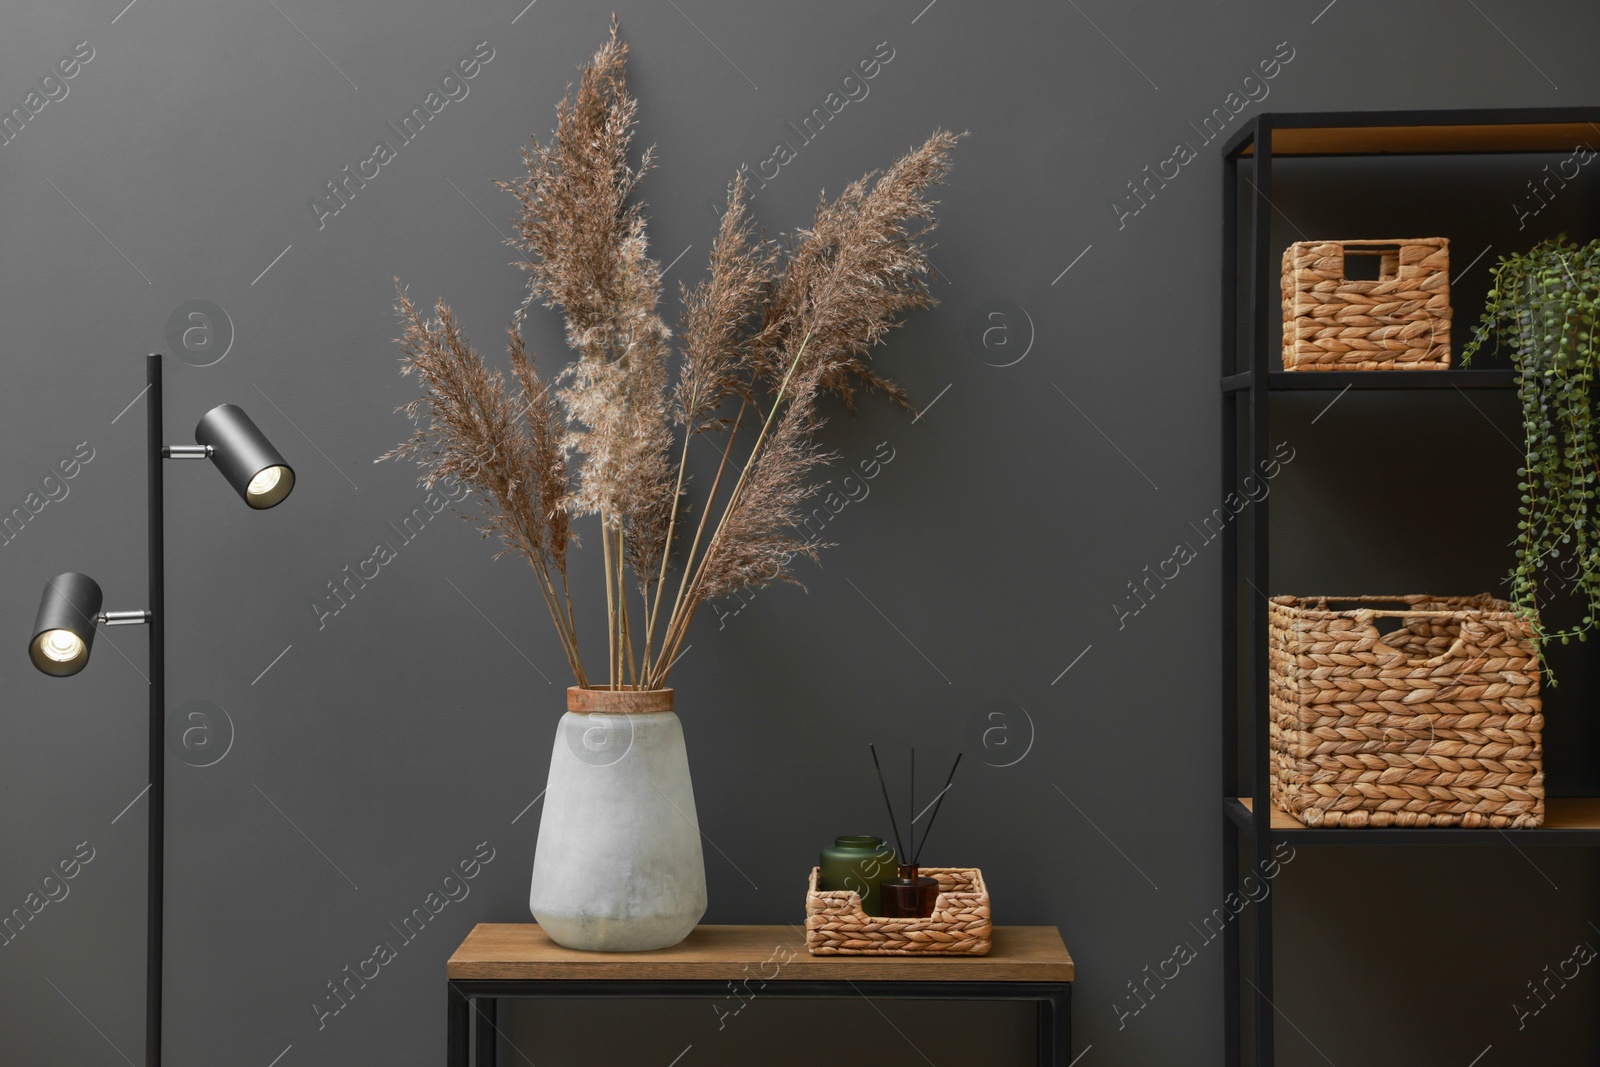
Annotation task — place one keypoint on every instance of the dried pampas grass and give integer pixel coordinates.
(503, 445)
(770, 331)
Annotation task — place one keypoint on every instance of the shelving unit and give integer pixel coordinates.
(1251, 825)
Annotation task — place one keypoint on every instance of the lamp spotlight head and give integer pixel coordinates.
(63, 631)
(244, 456)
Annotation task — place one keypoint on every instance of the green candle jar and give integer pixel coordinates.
(857, 863)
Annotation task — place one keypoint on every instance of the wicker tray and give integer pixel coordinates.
(959, 925)
(1435, 724)
(1398, 321)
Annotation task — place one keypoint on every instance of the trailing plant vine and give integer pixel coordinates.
(1543, 308)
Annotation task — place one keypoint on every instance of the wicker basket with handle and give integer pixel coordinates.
(1398, 321)
(959, 925)
(1435, 724)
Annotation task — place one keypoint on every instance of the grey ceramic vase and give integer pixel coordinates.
(618, 866)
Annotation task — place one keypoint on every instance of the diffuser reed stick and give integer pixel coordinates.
(899, 848)
(916, 853)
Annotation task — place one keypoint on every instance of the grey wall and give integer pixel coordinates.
(387, 743)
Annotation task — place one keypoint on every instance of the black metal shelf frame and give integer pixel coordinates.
(1245, 396)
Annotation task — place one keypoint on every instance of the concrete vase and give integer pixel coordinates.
(618, 866)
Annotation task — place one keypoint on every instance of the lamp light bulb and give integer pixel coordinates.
(265, 482)
(62, 646)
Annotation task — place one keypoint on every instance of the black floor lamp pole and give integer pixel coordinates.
(155, 886)
(69, 612)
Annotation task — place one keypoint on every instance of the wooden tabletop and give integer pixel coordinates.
(715, 953)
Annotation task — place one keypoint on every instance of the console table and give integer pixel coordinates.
(497, 960)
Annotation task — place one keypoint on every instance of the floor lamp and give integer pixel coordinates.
(63, 632)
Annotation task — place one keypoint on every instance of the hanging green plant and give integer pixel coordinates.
(1543, 308)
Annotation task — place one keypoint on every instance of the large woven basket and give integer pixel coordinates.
(1400, 321)
(1435, 724)
(959, 925)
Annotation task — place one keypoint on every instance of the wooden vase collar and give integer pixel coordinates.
(588, 700)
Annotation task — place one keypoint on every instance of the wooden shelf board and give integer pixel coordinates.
(1338, 381)
(1560, 814)
(719, 953)
(1430, 139)
(1392, 379)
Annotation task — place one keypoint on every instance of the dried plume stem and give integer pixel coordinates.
(660, 668)
(470, 428)
(670, 647)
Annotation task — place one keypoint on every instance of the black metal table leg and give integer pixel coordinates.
(458, 1028)
(1055, 1029)
(486, 1027)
